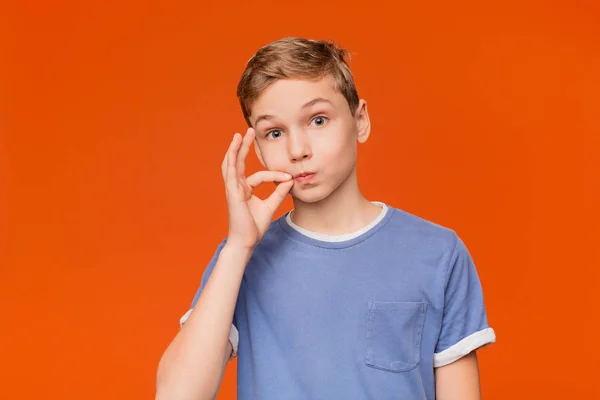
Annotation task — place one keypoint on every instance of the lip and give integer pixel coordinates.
(304, 177)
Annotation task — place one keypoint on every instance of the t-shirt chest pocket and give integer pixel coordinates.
(393, 335)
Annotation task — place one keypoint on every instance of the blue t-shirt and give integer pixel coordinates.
(360, 316)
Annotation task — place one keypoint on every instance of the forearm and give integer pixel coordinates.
(192, 366)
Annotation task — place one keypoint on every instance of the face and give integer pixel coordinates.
(305, 128)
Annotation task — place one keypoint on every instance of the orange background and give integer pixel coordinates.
(115, 116)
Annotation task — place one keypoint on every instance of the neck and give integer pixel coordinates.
(345, 210)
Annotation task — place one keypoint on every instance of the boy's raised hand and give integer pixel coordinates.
(249, 216)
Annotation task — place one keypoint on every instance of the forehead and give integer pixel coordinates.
(285, 97)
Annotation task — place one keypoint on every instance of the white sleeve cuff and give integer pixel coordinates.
(234, 339)
(465, 346)
(184, 318)
(234, 336)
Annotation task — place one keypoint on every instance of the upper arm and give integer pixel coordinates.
(227, 356)
(458, 380)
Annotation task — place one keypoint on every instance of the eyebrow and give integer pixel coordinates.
(306, 105)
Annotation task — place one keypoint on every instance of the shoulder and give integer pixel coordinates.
(420, 233)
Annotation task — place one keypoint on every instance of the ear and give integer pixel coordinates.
(363, 123)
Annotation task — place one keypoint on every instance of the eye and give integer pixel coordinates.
(320, 120)
(274, 134)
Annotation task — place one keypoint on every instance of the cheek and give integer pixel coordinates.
(340, 146)
(273, 158)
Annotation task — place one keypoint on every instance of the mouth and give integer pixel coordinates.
(304, 177)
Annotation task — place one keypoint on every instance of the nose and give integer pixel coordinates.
(299, 146)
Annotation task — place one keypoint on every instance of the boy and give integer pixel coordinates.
(340, 298)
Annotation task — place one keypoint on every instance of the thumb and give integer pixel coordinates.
(277, 197)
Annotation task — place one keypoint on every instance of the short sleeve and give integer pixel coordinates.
(233, 333)
(464, 321)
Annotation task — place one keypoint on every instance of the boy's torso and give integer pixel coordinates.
(314, 318)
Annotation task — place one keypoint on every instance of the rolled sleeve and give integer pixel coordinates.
(464, 322)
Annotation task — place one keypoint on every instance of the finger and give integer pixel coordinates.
(224, 163)
(231, 158)
(244, 149)
(277, 197)
(261, 177)
(224, 167)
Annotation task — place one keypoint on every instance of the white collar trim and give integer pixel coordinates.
(339, 238)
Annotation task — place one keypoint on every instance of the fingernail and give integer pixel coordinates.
(288, 176)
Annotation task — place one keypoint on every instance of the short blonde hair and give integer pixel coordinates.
(296, 58)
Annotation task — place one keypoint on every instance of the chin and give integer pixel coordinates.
(311, 195)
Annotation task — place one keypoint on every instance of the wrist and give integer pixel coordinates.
(237, 250)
